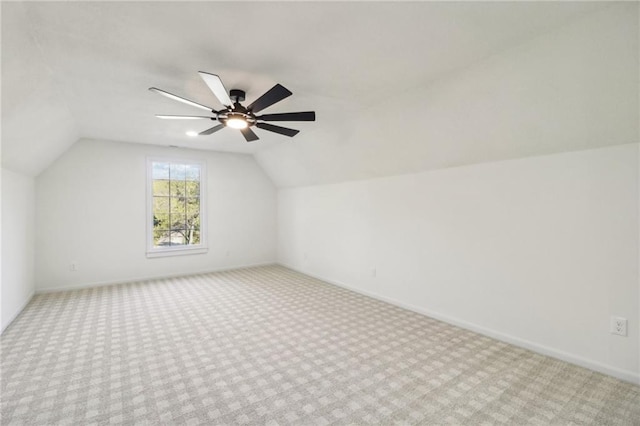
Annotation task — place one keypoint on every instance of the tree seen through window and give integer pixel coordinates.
(176, 204)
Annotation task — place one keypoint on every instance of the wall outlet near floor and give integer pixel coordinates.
(619, 326)
(73, 266)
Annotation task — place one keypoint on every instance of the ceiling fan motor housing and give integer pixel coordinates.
(238, 112)
(237, 95)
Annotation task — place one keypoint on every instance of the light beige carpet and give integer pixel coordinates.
(270, 346)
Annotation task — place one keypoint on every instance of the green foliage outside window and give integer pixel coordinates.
(176, 204)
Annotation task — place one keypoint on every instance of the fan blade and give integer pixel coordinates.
(212, 130)
(277, 129)
(184, 117)
(273, 95)
(178, 98)
(289, 116)
(249, 135)
(216, 86)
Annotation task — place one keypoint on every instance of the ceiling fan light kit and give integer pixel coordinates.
(237, 116)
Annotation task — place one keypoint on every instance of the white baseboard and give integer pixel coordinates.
(146, 278)
(18, 311)
(627, 376)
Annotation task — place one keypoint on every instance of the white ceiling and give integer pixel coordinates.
(82, 69)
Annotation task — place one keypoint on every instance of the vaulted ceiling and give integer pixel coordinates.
(397, 87)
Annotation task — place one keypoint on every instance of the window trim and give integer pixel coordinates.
(176, 250)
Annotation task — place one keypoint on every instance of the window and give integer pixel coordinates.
(175, 219)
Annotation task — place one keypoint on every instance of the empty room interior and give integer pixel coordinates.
(320, 213)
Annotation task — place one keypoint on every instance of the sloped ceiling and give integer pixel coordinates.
(37, 125)
(384, 78)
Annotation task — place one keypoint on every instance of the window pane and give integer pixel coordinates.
(177, 238)
(178, 221)
(193, 225)
(177, 188)
(160, 205)
(192, 172)
(161, 221)
(189, 235)
(193, 212)
(161, 238)
(161, 187)
(178, 206)
(192, 189)
(160, 170)
(177, 171)
(194, 237)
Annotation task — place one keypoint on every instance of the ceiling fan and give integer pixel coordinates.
(237, 116)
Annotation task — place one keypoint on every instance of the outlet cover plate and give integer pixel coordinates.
(619, 326)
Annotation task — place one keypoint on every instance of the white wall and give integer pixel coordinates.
(18, 244)
(91, 210)
(573, 88)
(538, 251)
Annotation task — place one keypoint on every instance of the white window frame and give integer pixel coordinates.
(176, 250)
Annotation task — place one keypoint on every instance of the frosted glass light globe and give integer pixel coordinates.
(236, 123)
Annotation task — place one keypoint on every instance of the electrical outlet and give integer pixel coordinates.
(374, 272)
(73, 266)
(619, 326)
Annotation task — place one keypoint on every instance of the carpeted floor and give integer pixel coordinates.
(270, 346)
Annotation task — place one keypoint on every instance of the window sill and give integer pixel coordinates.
(176, 251)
